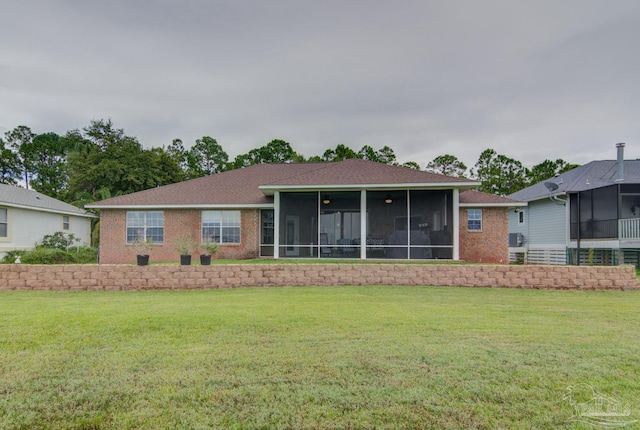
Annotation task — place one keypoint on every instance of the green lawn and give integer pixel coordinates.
(357, 357)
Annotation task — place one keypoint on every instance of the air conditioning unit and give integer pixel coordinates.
(516, 240)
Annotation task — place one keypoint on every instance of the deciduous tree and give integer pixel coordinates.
(104, 157)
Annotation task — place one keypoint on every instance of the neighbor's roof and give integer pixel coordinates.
(596, 174)
(18, 197)
(473, 198)
(252, 186)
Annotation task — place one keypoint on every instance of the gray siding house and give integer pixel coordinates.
(588, 215)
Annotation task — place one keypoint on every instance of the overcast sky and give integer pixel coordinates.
(531, 79)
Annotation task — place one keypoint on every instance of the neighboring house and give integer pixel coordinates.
(348, 209)
(588, 215)
(26, 216)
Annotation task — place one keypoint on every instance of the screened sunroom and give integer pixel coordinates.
(389, 224)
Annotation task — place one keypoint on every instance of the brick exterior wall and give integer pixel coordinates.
(489, 245)
(169, 277)
(177, 222)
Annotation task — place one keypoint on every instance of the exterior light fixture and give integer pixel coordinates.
(326, 200)
(388, 199)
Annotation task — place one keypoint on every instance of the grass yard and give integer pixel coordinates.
(355, 357)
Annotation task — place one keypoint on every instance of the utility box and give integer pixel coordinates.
(516, 240)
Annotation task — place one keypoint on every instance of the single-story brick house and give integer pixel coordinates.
(348, 209)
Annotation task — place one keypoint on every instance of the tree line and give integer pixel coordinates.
(101, 161)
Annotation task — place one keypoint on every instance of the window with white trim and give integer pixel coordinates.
(65, 222)
(4, 223)
(221, 226)
(145, 226)
(521, 217)
(474, 219)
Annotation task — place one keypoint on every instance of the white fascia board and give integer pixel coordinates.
(192, 206)
(54, 211)
(493, 205)
(417, 186)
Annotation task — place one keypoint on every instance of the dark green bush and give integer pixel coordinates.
(85, 254)
(42, 255)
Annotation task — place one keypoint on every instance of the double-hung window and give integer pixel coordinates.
(221, 226)
(65, 222)
(145, 226)
(474, 219)
(4, 223)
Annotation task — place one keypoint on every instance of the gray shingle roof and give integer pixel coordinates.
(16, 196)
(362, 172)
(595, 174)
(242, 186)
(473, 197)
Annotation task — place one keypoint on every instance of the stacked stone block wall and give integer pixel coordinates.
(158, 277)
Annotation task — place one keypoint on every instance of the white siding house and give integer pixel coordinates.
(26, 216)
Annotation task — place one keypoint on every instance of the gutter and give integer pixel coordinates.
(55, 211)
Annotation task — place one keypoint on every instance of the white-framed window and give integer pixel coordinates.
(4, 223)
(145, 225)
(474, 219)
(221, 226)
(521, 217)
(65, 222)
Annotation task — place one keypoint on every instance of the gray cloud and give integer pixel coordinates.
(533, 80)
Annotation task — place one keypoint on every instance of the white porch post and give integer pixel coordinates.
(276, 224)
(363, 224)
(456, 224)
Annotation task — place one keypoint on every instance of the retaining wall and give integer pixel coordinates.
(127, 277)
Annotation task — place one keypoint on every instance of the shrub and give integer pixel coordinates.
(85, 254)
(10, 257)
(59, 240)
(43, 255)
